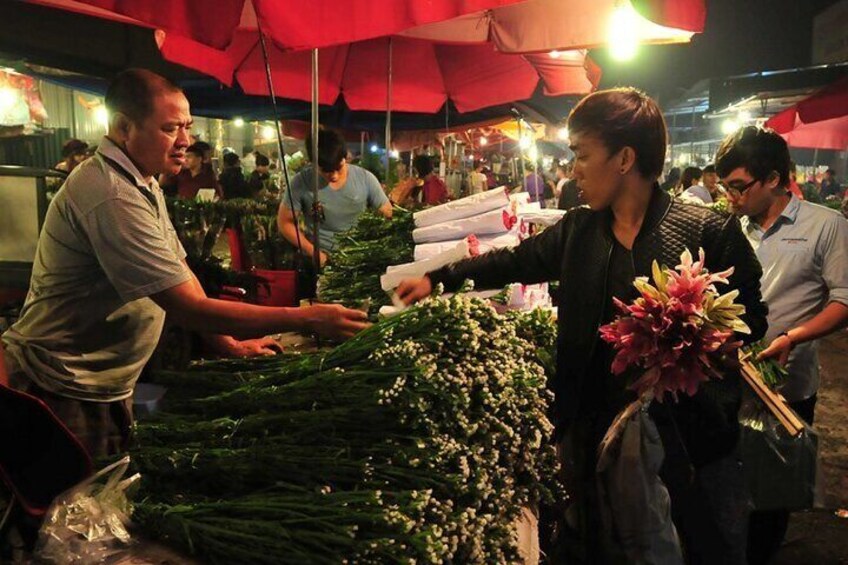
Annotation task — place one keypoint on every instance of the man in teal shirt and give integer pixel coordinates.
(345, 191)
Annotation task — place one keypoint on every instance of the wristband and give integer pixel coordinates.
(786, 334)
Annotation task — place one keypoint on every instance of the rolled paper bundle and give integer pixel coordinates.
(541, 217)
(396, 273)
(497, 221)
(467, 207)
(479, 245)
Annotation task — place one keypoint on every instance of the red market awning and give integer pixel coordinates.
(820, 121)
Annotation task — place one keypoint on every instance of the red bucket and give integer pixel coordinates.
(239, 260)
(276, 288)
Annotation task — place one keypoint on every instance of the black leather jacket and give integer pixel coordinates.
(576, 251)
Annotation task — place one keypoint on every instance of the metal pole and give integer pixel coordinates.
(521, 151)
(361, 145)
(279, 129)
(389, 112)
(316, 215)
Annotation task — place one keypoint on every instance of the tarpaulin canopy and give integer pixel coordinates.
(291, 24)
(536, 26)
(494, 131)
(820, 121)
(424, 74)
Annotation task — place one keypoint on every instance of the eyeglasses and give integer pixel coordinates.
(739, 190)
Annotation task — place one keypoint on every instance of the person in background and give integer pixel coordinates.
(793, 181)
(710, 182)
(596, 252)
(74, 152)
(193, 176)
(477, 179)
(671, 180)
(110, 267)
(695, 191)
(260, 179)
(803, 249)
(232, 181)
(535, 185)
(830, 186)
(248, 161)
(570, 195)
(345, 191)
(433, 190)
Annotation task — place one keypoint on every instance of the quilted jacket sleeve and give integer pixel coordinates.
(732, 249)
(537, 259)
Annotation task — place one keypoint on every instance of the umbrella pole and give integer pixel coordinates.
(316, 215)
(278, 127)
(520, 151)
(389, 113)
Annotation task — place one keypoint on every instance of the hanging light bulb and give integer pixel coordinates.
(623, 32)
(267, 133)
(524, 142)
(484, 141)
(562, 134)
(101, 114)
(395, 153)
(238, 122)
(554, 54)
(728, 126)
(8, 98)
(533, 153)
(374, 148)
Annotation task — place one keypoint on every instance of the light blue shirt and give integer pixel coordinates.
(804, 256)
(342, 206)
(699, 192)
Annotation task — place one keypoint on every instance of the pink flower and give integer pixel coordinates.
(668, 332)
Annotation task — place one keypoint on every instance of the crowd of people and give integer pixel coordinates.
(94, 315)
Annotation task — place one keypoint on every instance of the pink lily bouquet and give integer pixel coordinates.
(678, 328)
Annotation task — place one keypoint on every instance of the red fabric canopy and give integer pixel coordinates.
(292, 24)
(424, 74)
(820, 121)
(537, 26)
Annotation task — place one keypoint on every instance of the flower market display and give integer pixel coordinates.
(362, 255)
(419, 440)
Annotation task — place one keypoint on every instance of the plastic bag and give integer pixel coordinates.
(781, 470)
(88, 523)
(635, 503)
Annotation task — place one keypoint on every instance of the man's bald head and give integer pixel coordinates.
(132, 93)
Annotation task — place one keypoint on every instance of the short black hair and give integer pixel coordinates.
(332, 149)
(423, 165)
(74, 147)
(624, 117)
(760, 151)
(196, 148)
(690, 176)
(262, 160)
(709, 169)
(231, 160)
(132, 92)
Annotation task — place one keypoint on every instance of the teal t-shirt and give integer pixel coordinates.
(342, 207)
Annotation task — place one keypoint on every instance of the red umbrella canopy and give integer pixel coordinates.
(424, 74)
(820, 121)
(292, 24)
(536, 26)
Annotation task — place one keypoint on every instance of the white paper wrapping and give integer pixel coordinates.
(482, 244)
(541, 217)
(467, 207)
(497, 221)
(396, 273)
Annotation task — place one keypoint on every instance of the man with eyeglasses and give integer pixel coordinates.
(803, 249)
(345, 192)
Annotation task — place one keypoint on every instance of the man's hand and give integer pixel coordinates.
(323, 258)
(779, 348)
(334, 321)
(413, 290)
(230, 347)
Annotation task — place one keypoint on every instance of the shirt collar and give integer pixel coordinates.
(791, 210)
(110, 149)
